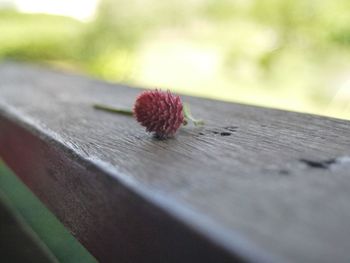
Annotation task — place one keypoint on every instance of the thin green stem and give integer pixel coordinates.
(188, 116)
(113, 110)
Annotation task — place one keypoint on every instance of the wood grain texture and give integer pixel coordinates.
(253, 184)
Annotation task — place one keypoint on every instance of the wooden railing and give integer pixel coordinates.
(253, 184)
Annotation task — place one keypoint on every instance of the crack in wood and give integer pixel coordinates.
(325, 164)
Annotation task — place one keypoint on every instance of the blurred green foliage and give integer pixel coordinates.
(37, 37)
(291, 54)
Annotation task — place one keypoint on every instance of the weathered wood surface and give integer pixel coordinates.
(253, 184)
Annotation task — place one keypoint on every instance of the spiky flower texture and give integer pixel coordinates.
(160, 112)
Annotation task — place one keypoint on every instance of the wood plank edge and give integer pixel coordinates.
(230, 242)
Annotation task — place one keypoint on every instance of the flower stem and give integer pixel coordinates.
(188, 116)
(113, 110)
(127, 112)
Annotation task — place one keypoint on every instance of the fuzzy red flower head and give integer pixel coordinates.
(160, 112)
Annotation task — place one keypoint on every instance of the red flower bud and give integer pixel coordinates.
(160, 112)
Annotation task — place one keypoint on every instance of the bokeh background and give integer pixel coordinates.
(287, 54)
